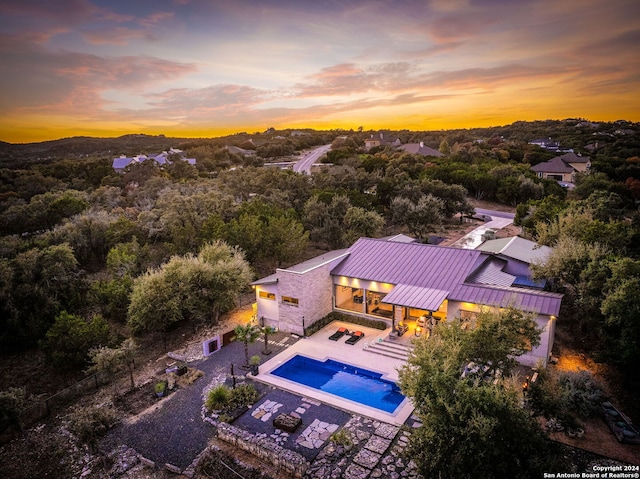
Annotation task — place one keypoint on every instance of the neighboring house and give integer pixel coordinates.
(546, 143)
(420, 149)
(382, 138)
(397, 281)
(119, 164)
(563, 168)
(240, 151)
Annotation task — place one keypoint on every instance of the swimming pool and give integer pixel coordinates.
(343, 380)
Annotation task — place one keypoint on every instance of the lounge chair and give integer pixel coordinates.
(338, 334)
(355, 337)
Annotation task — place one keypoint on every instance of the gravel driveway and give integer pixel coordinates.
(176, 433)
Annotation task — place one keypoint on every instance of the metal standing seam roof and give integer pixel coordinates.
(416, 297)
(541, 302)
(425, 273)
(411, 264)
(491, 273)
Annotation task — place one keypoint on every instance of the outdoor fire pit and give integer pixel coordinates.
(286, 422)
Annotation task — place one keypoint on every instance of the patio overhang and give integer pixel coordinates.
(416, 297)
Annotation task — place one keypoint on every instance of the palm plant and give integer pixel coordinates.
(267, 330)
(247, 334)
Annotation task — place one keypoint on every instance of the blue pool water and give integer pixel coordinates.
(344, 380)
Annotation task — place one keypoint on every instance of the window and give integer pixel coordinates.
(266, 295)
(290, 300)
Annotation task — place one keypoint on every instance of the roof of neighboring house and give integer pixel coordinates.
(119, 163)
(517, 248)
(240, 151)
(420, 149)
(554, 165)
(573, 158)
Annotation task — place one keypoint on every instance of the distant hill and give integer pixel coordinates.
(12, 155)
(570, 133)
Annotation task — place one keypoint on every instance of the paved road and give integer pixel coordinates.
(494, 213)
(176, 433)
(305, 163)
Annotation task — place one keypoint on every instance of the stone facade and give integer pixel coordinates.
(284, 459)
(312, 289)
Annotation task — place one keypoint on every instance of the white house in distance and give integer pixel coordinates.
(398, 281)
(120, 163)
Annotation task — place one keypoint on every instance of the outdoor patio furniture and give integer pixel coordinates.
(402, 328)
(338, 334)
(355, 337)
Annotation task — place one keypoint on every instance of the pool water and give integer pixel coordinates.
(343, 380)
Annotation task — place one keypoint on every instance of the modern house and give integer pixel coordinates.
(563, 168)
(397, 281)
(546, 143)
(120, 163)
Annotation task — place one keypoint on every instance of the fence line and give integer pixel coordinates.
(43, 408)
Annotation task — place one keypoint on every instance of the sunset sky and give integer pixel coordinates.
(206, 68)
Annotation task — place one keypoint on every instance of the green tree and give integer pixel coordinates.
(464, 418)
(35, 286)
(361, 222)
(70, 338)
(192, 288)
(420, 217)
(621, 309)
(246, 334)
(110, 360)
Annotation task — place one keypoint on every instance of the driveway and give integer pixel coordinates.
(499, 219)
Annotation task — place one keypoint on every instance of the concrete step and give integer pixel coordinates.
(392, 343)
(385, 352)
(389, 349)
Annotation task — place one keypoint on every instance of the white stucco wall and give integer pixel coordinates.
(267, 308)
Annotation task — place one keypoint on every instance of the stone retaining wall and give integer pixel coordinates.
(285, 459)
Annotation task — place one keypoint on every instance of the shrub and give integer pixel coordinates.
(218, 398)
(255, 360)
(13, 402)
(160, 387)
(581, 392)
(243, 395)
(90, 422)
(347, 318)
(565, 395)
(342, 437)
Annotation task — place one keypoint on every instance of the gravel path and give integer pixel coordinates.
(175, 433)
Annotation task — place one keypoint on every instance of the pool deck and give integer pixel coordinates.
(320, 347)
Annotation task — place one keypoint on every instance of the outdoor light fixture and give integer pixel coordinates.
(418, 331)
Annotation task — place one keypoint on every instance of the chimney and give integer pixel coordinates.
(422, 144)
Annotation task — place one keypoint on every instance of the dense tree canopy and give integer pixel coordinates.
(479, 415)
(193, 288)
